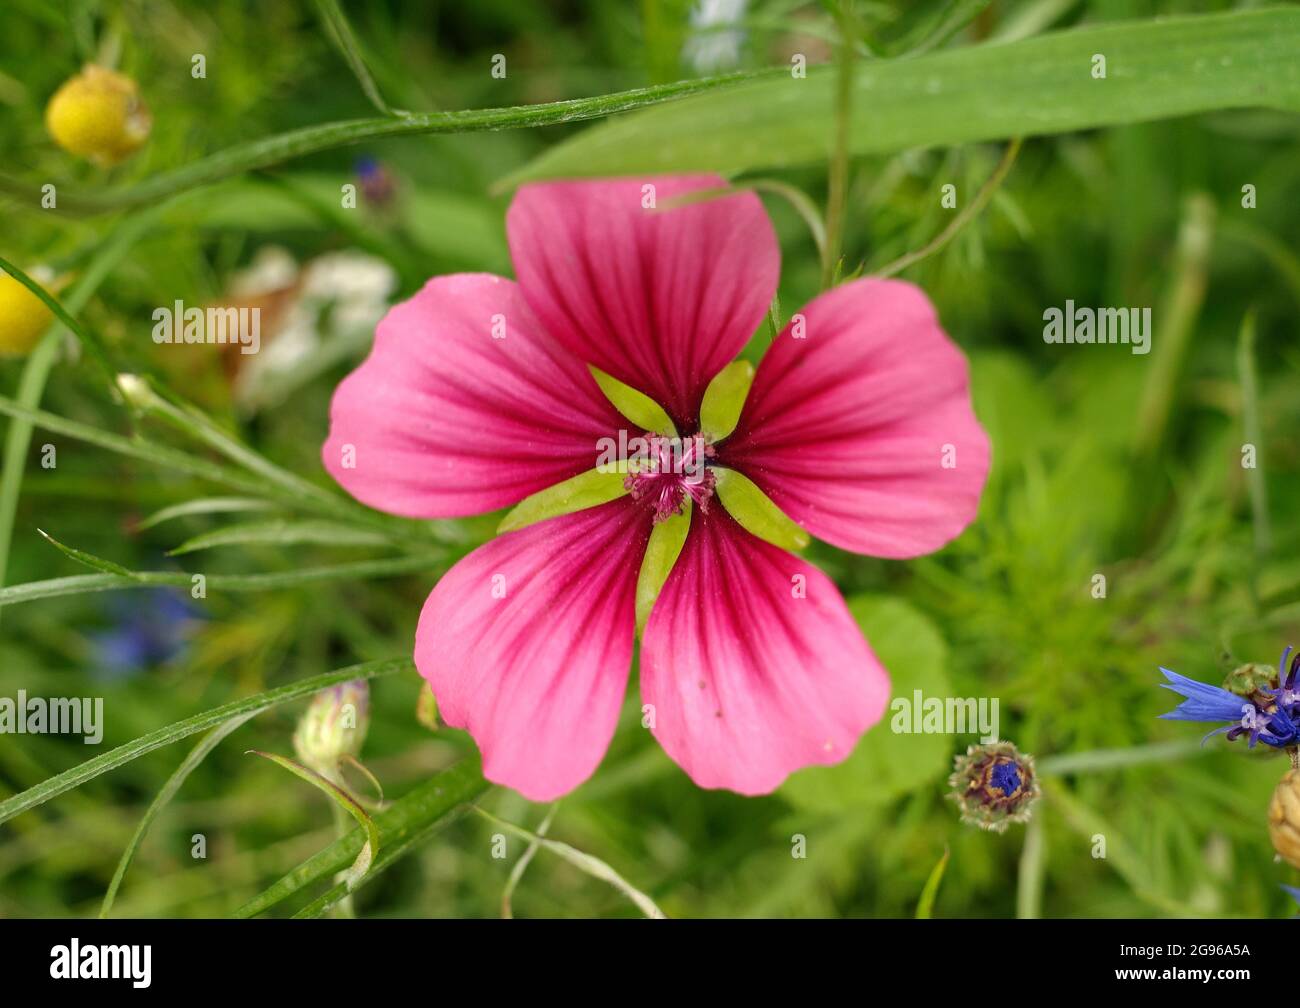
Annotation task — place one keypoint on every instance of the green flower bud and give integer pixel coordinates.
(994, 785)
(1251, 681)
(334, 726)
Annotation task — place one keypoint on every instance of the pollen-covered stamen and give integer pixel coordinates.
(670, 471)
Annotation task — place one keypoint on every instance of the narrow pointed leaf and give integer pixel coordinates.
(643, 412)
(925, 905)
(344, 801)
(661, 553)
(755, 511)
(576, 494)
(725, 398)
(280, 533)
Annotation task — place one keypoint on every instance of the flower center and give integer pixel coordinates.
(669, 471)
(1006, 778)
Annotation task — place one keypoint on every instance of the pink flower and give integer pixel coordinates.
(858, 426)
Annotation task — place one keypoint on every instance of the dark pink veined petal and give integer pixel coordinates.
(527, 643)
(752, 664)
(862, 431)
(662, 299)
(445, 419)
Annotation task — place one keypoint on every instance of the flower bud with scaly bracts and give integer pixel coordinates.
(994, 785)
(1284, 818)
(98, 115)
(334, 726)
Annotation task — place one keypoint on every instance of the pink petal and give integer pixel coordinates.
(849, 428)
(661, 299)
(446, 420)
(748, 681)
(537, 675)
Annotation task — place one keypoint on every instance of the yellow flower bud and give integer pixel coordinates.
(1284, 818)
(23, 317)
(98, 115)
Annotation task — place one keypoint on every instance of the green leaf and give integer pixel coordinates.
(724, 399)
(343, 38)
(1156, 69)
(755, 511)
(82, 583)
(366, 856)
(174, 782)
(886, 765)
(576, 494)
(642, 411)
(925, 905)
(281, 532)
(403, 826)
(114, 758)
(666, 541)
(89, 559)
(204, 506)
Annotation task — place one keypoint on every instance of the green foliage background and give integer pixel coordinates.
(1104, 462)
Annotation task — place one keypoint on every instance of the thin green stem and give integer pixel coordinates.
(311, 139)
(340, 32)
(838, 171)
(1033, 866)
(963, 217)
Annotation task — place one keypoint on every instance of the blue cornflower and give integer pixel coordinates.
(149, 628)
(1267, 715)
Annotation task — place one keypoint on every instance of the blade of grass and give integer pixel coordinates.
(964, 216)
(204, 506)
(273, 150)
(79, 584)
(520, 866)
(925, 905)
(585, 863)
(340, 32)
(281, 532)
(196, 756)
(111, 760)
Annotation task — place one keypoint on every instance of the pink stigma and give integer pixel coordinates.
(672, 470)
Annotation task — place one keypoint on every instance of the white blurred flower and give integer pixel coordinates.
(324, 312)
(712, 46)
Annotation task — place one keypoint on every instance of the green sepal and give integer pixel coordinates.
(596, 486)
(754, 510)
(724, 399)
(637, 407)
(666, 541)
